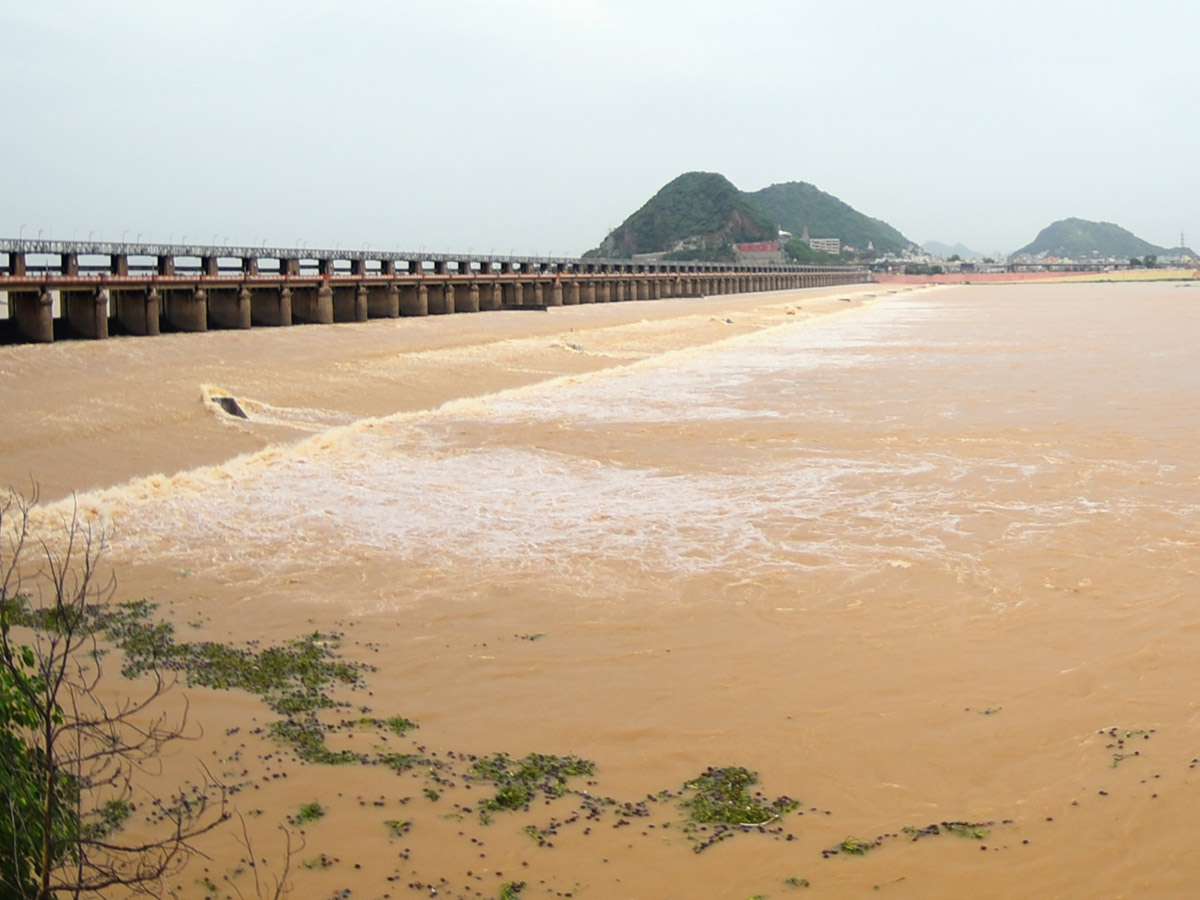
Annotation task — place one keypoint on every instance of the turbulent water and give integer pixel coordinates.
(910, 563)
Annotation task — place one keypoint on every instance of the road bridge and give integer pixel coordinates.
(88, 289)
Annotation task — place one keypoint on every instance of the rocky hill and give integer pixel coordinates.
(699, 215)
(796, 205)
(1081, 239)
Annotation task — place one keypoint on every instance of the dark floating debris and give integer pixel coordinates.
(230, 406)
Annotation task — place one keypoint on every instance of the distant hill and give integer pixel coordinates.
(945, 251)
(1080, 239)
(699, 215)
(796, 205)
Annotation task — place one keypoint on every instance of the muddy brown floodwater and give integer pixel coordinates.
(913, 557)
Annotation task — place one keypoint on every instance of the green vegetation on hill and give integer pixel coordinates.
(1079, 238)
(699, 215)
(796, 205)
(723, 252)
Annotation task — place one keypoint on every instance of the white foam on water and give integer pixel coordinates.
(396, 495)
(408, 489)
(717, 382)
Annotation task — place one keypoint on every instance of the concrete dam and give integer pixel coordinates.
(53, 290)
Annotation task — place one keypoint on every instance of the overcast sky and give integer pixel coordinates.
(538, 125)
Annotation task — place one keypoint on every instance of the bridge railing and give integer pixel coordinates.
(24, 249)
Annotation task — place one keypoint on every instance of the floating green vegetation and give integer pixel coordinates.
(975, 831)
(519, 781)
(52, 618)
(401, 762)
(720, 801)
(297, 678)
(510, 889)
(722, 797)
(400, 725)
(294, 679)
(915, 833)
(398, 827)
(796, 882)
(291, 678)
(307, 737)
(531, 637)
(107, 819)
(309, 812)
(853, 846)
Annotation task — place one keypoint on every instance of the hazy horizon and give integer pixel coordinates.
(536, 126)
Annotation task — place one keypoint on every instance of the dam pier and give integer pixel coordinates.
(52, 290)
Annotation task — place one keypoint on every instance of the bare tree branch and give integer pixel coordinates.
(77, 749)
